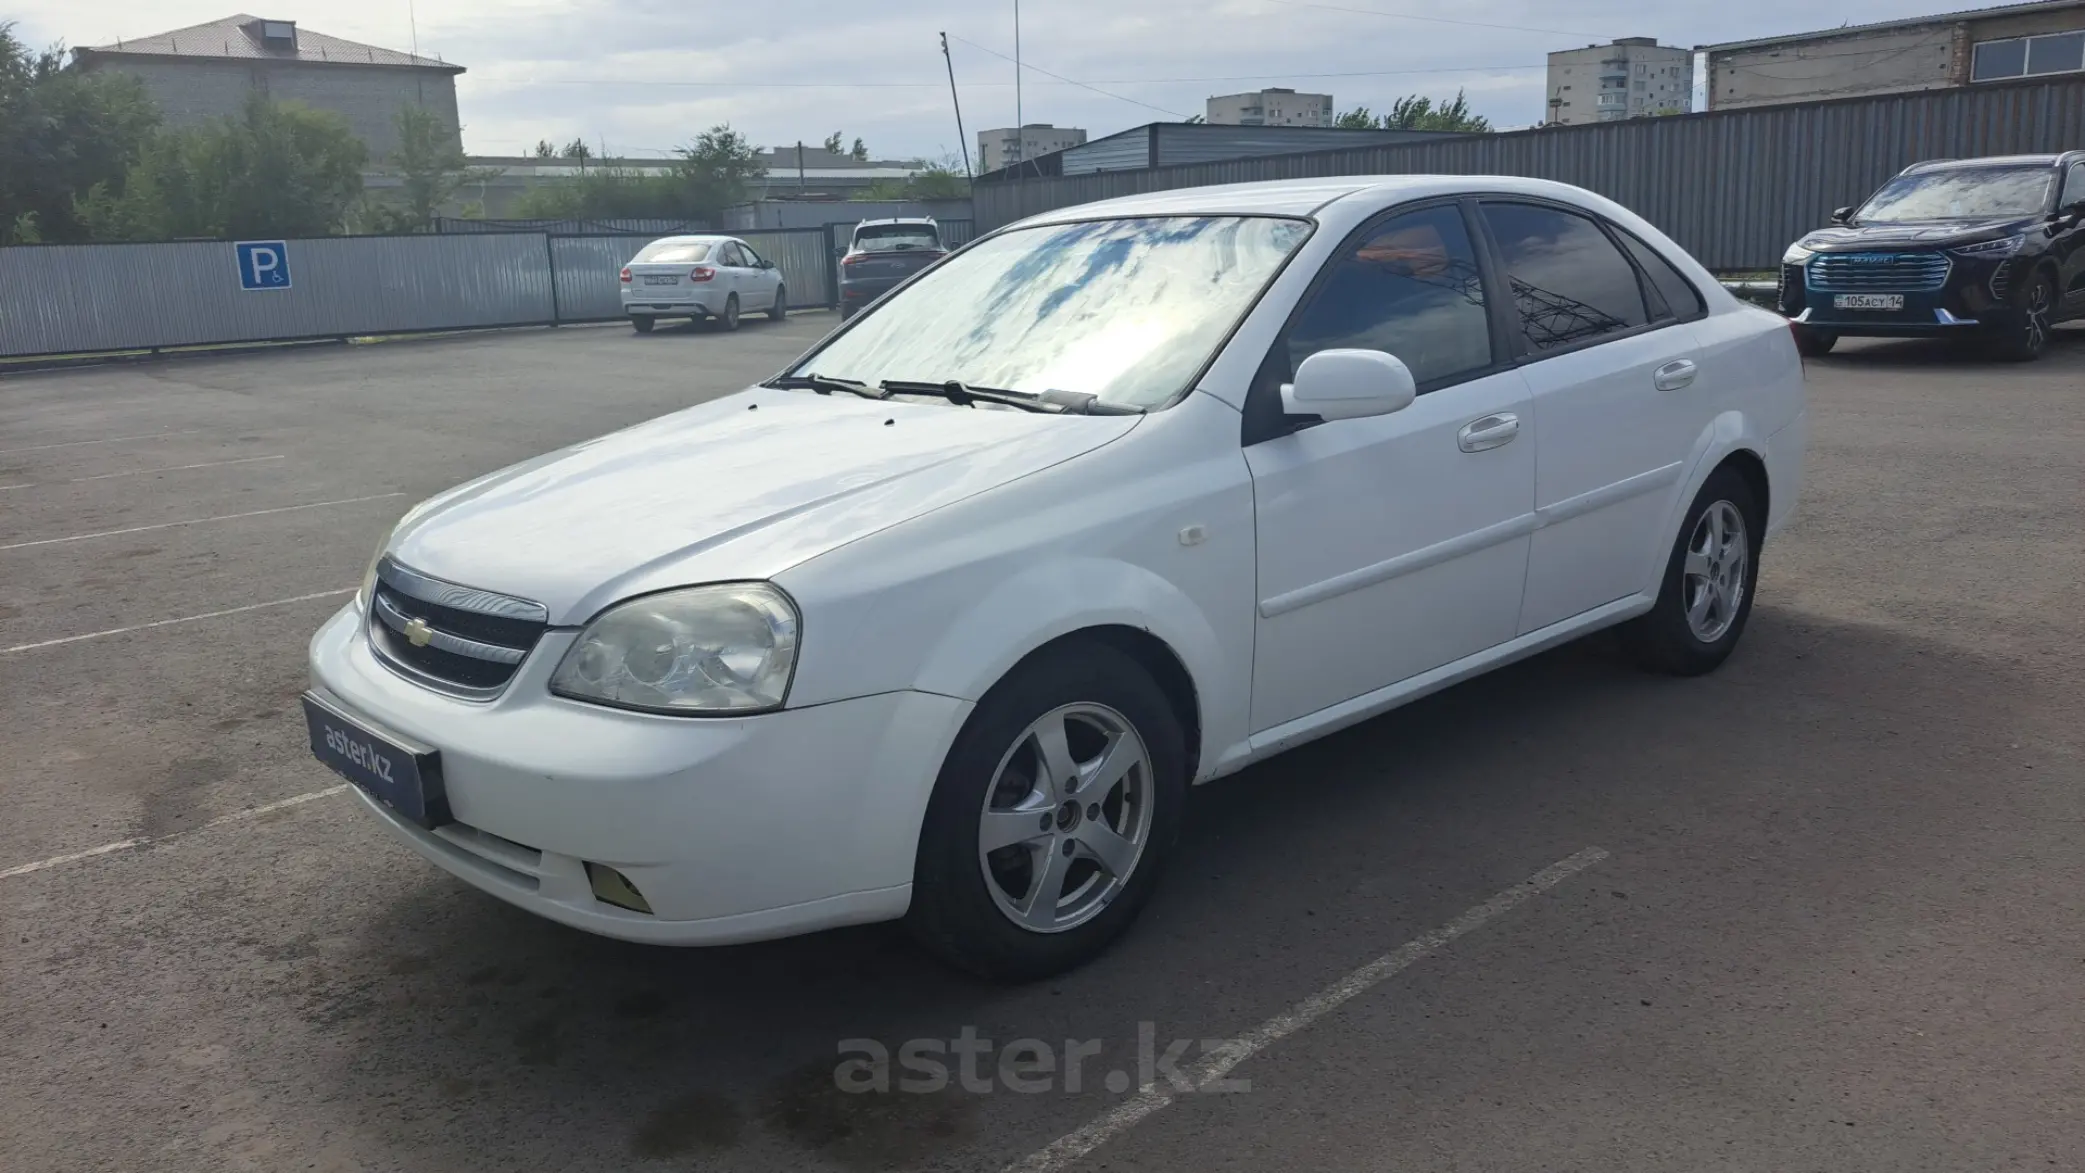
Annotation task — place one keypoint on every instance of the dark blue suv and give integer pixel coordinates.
(1992, 249)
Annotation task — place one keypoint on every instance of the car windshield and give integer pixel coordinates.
(895, 237)
(673, 252)
(1965, 193)
(1127, 310)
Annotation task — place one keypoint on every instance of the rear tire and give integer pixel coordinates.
(1814, 343)
(642, 325)
(728, 320)
(969, 897)
(2028, 337)
(1705, 596)
(780, 309)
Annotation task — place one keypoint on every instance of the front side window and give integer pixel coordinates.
(1570, 284)
(1410, 288)
(2074, 187)
(1128, 310)
(1960, 193)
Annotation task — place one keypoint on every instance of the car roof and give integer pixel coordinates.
(693, 238)
(925, 220)
(1995, 161)
(1305, 197)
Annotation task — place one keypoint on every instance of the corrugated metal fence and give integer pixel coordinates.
(1733, 187)
(77, 299)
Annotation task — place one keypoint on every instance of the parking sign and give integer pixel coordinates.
(263, 264)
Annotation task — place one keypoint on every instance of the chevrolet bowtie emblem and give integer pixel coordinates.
(418, 634)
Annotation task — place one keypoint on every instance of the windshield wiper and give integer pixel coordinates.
(1054, 401)
(826, 385)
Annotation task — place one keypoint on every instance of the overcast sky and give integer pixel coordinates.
(642, 76)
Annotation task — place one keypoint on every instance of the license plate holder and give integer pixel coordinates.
(405, 778)
(1868, 301)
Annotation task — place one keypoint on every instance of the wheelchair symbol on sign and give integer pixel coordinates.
(263, 264)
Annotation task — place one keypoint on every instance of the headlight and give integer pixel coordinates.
(367, 587)
(729, 648)
(1797, 254)
(2004, 246)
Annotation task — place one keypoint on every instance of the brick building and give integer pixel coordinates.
(205, 72)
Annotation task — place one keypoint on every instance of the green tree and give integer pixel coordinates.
(278, 169)
(577, 149)
(544, 150)
(1417, 112)
(62, 132)
(859, 152)
(430, 166)
(833, 144)
(714, 169)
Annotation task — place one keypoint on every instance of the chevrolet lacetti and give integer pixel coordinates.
(942, 622)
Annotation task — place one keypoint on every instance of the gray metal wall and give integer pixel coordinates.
(465, 224)
(61, 299)
(819, 213)
(1733, 187)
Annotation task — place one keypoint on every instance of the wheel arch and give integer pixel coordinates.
(1155, 656)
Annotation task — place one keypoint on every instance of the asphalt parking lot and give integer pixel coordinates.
(1823, 910)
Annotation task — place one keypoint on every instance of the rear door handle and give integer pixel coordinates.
(1675, 375)
(1493, 431)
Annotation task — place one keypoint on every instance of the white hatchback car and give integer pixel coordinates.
(714, 277)
(942, 622)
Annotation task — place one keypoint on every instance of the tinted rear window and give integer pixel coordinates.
(1570, 284)
(672, 252)
(884, 237)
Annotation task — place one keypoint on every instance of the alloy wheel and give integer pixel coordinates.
(1714, 574)
(1067, 817)
(2039, 302)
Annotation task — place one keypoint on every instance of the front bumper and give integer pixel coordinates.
(1974, 298)
(733, 829)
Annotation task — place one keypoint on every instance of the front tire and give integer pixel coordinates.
(1811, 343)
(2027, 338)
(1052, 817)
(780, 309)
(1705, 596)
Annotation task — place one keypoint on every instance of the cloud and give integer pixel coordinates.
(644, 76)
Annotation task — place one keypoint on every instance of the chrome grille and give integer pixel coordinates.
(451, 638)
(1877, 272)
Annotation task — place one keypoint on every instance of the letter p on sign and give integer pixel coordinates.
(263, 264)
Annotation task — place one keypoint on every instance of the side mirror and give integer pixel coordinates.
(1842, 215)
(1348, 385)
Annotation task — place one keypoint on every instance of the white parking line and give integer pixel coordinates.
(73, 639)
(110, 440)
(147, 841)
(1157, 1094)
(139, 529)
(139, 472)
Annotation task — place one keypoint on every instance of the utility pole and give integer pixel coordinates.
(1019, 121)
(957, 102)
(800, 164)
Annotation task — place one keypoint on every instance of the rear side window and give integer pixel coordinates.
(672, 252)
(1410, 287)
(1678, 294)
(1571, 285)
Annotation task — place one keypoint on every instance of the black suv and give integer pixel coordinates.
(1987, 248)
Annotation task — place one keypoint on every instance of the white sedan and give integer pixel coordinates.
(698, 277)
(942, 622)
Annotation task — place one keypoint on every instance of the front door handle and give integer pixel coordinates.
(1493, 431)
(1673, 376)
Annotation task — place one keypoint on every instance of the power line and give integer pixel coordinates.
(1069, 81)
(1516, 28)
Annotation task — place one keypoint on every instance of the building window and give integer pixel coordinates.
(2029, 56)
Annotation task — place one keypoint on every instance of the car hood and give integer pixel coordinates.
(739, 488)
(1852, 237)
